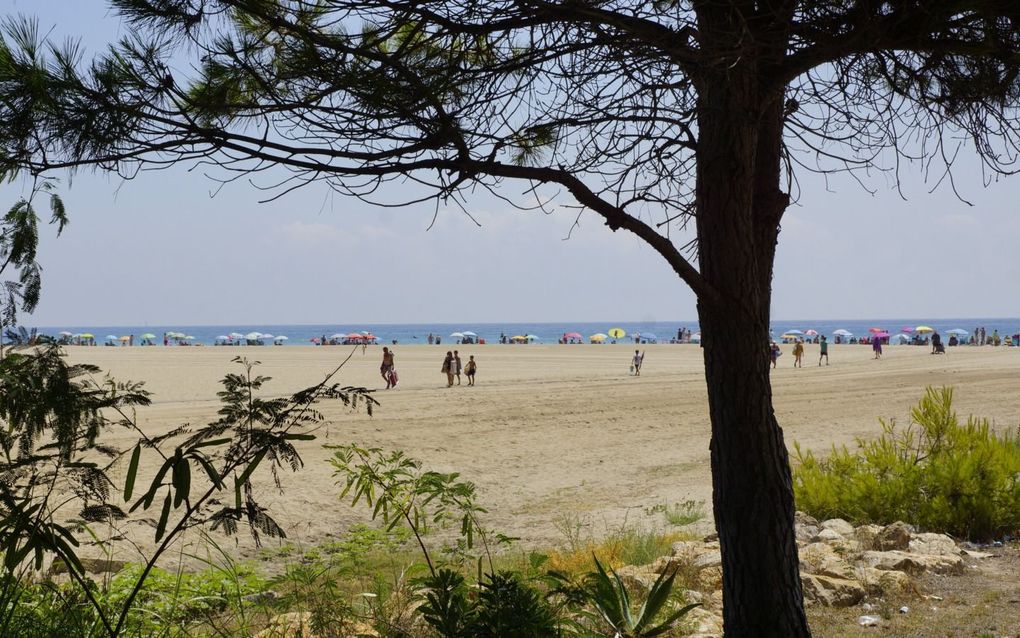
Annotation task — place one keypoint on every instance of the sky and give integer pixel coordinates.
(168, 248)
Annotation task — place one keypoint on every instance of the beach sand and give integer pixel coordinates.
(552, 434)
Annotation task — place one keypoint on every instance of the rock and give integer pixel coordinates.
(827, 535)
(807, 533)
(914, 563)
(832, 592)
(880, 582)
(821, 558)
(639, 579)
(800, 518)
(684, 548)
(838, 525)
(708, 559)
(710, 578)
(933, 544)
(867, 536)
(260, 597)
(979, 555)
(893, 537)
(703, 623)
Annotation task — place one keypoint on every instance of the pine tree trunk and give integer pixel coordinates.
(739, 205)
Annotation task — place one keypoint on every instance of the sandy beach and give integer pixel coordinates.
(551, 433)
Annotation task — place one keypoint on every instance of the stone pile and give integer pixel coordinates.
(841, 565)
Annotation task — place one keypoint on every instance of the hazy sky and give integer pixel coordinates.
(160, 249)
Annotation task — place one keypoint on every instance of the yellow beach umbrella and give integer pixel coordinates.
(88, 335)
(598, 337)
(518, 338)
(923, 329)
(617, 333)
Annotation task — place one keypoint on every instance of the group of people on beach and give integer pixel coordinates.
(798, 352)
(452, 367)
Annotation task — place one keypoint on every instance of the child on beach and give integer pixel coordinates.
(470, 369)
(798, 354)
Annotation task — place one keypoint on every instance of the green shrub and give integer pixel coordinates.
(939, 474)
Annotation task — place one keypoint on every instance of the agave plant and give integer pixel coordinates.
(605, 592)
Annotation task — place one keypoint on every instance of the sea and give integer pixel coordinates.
(549, 332)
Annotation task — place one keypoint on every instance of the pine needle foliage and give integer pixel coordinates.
(941, 474)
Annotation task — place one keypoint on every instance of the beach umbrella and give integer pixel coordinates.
(111, 337)
(811, 333)
(876, 330)
(125, 338)
(281, 338)
(881, 335)
(253, 336)
(924, 329)
(267, 336)
(457, 335)
(222, 338)
(189, 338)
(902, 338)
(573, 335)
(468, 333)
(598, 337)
(957, 331)
(532, 338)
(617, 333)
(66, 334)
(354, 336)
(843, 333)
(366, 333)
(793, 332)
(696, 337)
(339, 336)
(518, 338)
(236, 335)
(87, 335)
(315, 340)
(148, 335)
(906, 329)
(648, 336)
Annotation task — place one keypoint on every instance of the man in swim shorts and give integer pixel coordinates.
(387, 366)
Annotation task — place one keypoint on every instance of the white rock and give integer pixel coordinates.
(838, 525)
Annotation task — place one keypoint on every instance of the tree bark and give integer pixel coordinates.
(739, 205)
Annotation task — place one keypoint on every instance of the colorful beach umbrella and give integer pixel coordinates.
(598, 337)
(906, 329)
(924, 329)
(881, 335)
(125, 338)
(876, 330)
(148, 335)
(617, 333)
(573, 335)
(811, 333)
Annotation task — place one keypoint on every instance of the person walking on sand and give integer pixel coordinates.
(470, 370)
(457, 365)
(774, 353)
(798, 354)
(387, 367)
(639, 357)
(876, 347)
(447, 368)
(824, 345)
